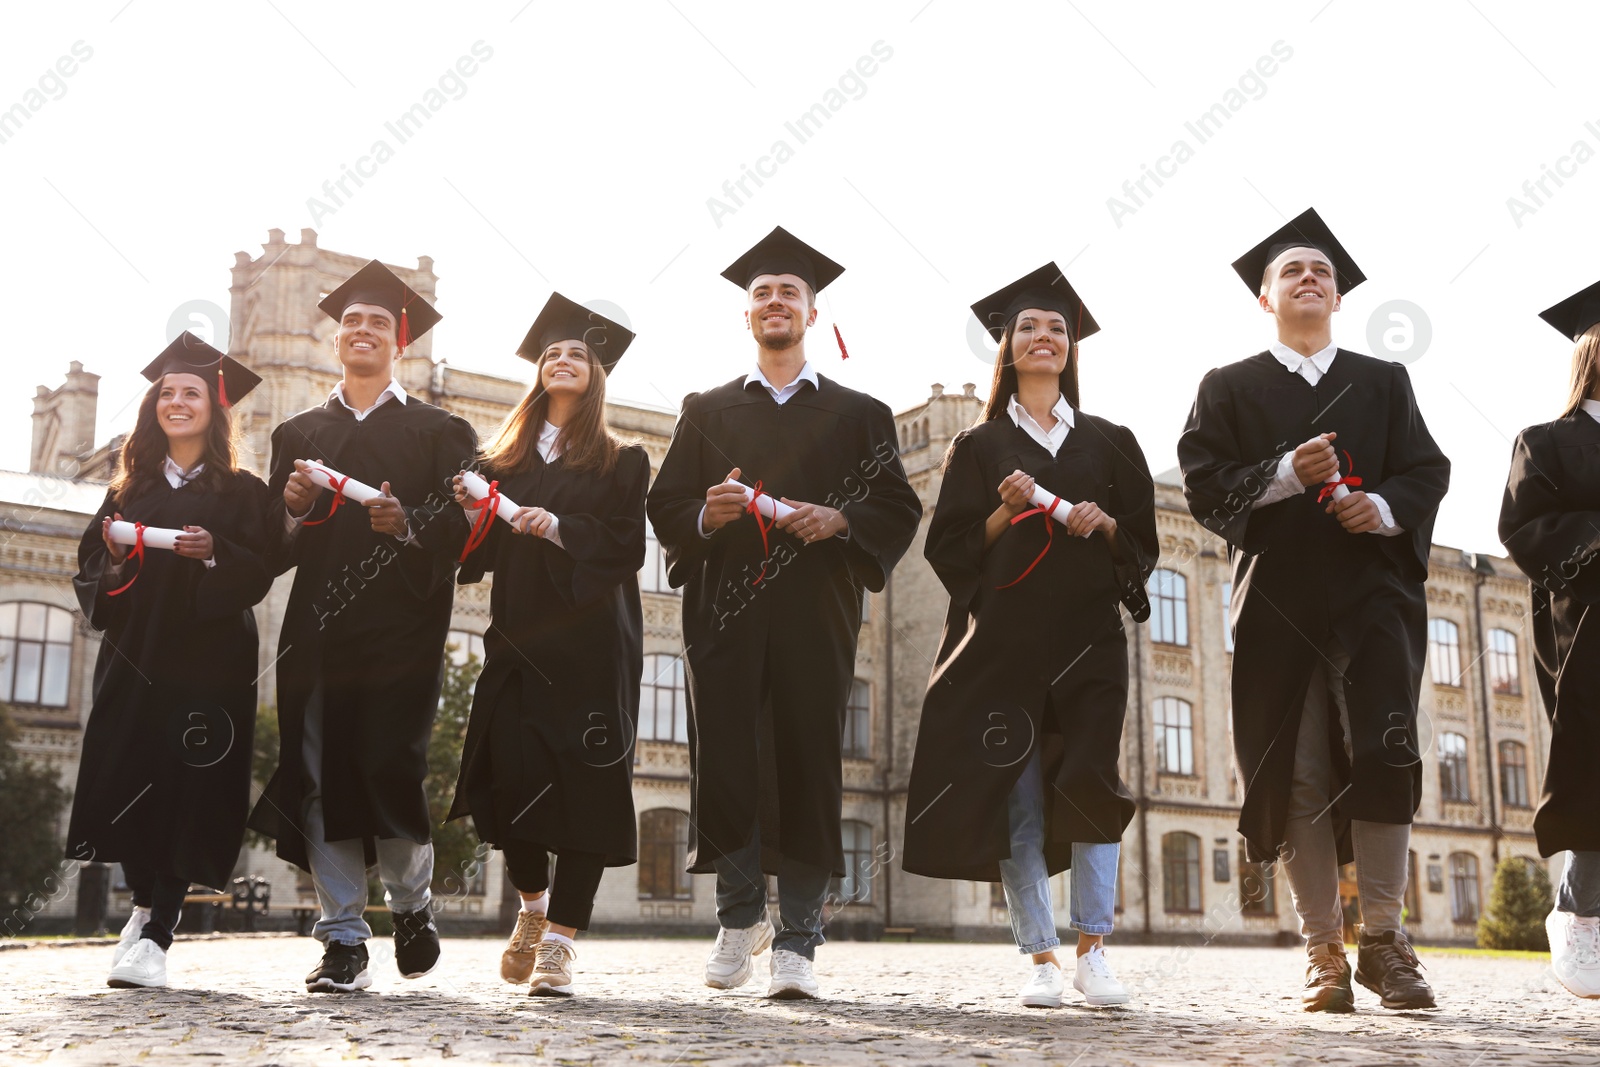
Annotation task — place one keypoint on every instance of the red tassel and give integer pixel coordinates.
(403, 338)
(844, 353)
(222, 389)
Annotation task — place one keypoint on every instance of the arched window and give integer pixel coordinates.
(1463, 887)
(1503, 674)
(663, 854)
(35, 654)
(1227, 606)
(856, 885)
(1453, 783)
(663, 703)
(1174, 723)
(1444, 652)
(1169, 607)
(1513, 774)
(1180, 869)
(653, 575)
(858, 721)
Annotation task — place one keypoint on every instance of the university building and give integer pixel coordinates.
(1483, 731)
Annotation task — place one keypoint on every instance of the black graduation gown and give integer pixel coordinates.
(1550, 525)
(548, 757)
(165, 773)
(1041, 663)
(367, 619)
(1299, 578)
(770, 663)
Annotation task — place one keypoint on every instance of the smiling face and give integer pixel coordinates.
(365, 342)
(1300, 286)
(780, 310)
(183, 406)
(565, 368)
(1040, 342)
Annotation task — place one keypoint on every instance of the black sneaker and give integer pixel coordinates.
(343, 970)
(1386, 964)
(1327, 985)
(416, 942)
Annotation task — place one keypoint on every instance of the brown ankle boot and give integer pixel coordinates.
(1327, 980)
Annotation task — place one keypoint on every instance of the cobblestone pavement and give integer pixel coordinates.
(240, 1001)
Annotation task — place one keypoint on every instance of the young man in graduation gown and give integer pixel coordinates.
(363, 636)
(1329, 611)
(771, 612)
(1548, 522)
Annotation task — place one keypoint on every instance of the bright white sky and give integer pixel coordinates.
(582, 153)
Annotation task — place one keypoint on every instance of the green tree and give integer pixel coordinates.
(1518, 904)
(32, 797)
(263, 762)
(457, 853)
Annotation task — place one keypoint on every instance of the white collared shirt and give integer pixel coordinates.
(176, 475)
(1285, 483)
(1053, 438)
(1592, 407)
(392, 390)
(550, 451)
(807, 373)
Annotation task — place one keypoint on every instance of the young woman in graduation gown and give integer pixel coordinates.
(1015, 774)
(1548, 520)
(547, 767)
(164, 782)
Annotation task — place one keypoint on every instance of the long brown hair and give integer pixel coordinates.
(1004, 382)
(1585, 369)
(144, 450)
(586, 444)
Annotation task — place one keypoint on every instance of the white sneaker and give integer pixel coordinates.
(791, 977)
(729, 965)
(1044, 989)
(1575, 952)
(145, 964)
(132, 931)
(1096, 982)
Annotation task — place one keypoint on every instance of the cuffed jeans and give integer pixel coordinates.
(339, 868)
(1027, 880)
(742, 898)
(1579, 892)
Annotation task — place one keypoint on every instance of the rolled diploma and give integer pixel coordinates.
(1339, 491)
(360, 492)
(769, 506)
(1041, 497)
(477, 488)
(123, 533)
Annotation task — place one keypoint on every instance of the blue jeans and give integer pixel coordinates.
(742, 898)
(1579, 892)
(1027, 881)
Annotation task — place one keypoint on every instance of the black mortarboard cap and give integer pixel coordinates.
(378, 285)
(781, 252)
(567, 320)
(1576, 313)
(1046, 288)
(187, 354)
(1306, 230)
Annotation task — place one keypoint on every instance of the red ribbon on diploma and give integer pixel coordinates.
(136, 554)
(486, 506)
(1049, 536)
(338, 496)
(1342, 479)
(763, 524)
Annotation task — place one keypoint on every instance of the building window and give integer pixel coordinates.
(1169, 607)
(459, 644)
(1227, 607)
(1503, 676)
(1513, 774)
(663, 855)
(856, 885)
(1453, 783)
(1174, 722)
(35, 654)
(1257, 891)
(653, 575)
(1180, 866)
(1412, 901)
(1463, 887)
(1444, 652)
(663, 703)
(858, 721)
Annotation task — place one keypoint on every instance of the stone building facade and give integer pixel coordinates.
(1484, 733)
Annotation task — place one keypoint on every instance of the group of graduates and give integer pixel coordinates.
(781, 502)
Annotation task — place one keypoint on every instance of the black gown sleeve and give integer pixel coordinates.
(1416, 478)
(1133, 505)
(954, 547)
(1552, 542)
(674, 502)
(598, 552)
(880, 506)
(239, 580)
(93, 580)
(1218, 482)
(438, 524)
(280, 547)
